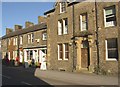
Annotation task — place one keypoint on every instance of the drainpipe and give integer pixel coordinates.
(74, 68)
(7, 48)
(18, 47)
(97, 39)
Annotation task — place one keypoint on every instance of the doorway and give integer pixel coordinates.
(85, 54)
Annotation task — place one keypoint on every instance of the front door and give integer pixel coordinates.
(85, 61)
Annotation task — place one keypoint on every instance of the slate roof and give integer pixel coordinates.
(26, 30)
(49, 11)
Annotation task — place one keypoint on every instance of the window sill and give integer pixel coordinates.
(111, 60)
(63, 34)
(110, 27)
(66, 59)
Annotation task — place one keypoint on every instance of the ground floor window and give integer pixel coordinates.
(14, 54)
(4, 55)
(60, 52)
(63, 51)
(111, 49)
(66, 51)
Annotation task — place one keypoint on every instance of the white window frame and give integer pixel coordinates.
(108, 59)
(65, 52)
(59, 52)
(105, 23)
(65, 29)
(81, 22)
(14, 43)
(60, 28)
(21, 40)
(28, 38)
(32, 37)
(62, 7)
(16, 40)
(9, 55)
(44, 36)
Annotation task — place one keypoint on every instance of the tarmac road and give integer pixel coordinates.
(20, 76)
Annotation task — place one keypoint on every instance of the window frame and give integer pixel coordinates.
(65, 31)
(32, 37)
(113, 7)
(106, 47)
(29, 38)
(81, 21)
(21, 40)
(64, 51)
(60, 27)
(62, 6)
(44, 36)
(58, 46)
(16, 41)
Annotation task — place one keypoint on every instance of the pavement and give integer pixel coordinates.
(73, 78)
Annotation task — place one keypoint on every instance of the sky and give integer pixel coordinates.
(20, 12)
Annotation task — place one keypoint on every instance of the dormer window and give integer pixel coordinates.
(62, 7)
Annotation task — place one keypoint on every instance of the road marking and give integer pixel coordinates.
(5, 76)
(26, 83)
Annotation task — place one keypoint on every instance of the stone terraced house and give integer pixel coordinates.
(83, 37)
(26, 43)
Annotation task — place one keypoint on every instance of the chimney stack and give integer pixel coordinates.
(8, 30)
(17, 27)
(28, 24)
(42, 19)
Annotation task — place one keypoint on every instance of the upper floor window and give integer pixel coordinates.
(63, 26)
(21, 40)
(30, 38)
(60, 28)
(9, 41)
(16, 41)
(62, 7)
(111, 49)
(44, 36)
(83, 22)
(110, 16)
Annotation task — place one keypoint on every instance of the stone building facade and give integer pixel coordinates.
(26, 43)
(85, 36)
(81, 36)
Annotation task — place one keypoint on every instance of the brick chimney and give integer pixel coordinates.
(42, 19)
(9, 30)
(28, 24)
(17, 27)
